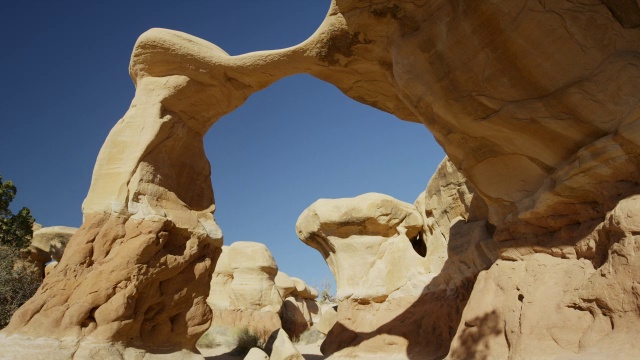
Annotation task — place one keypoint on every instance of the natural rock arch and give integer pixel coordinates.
(535, 103)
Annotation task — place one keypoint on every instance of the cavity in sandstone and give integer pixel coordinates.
(403, 272)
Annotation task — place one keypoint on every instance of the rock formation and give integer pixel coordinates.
(299, 307)
(280, 347)
(243, 290)
(403, 272)
(247, 290)
(256, 354)
(328, 319)
(48, 244)
(561, 306)
(534, 102)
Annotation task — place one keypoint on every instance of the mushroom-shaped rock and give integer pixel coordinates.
(395, 263)
(303, 290)
(49, 243)
(285, 284)
(366, 242)
(243, 289)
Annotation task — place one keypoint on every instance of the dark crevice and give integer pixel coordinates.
(419, 245)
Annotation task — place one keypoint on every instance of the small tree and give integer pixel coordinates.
(15, 230)
(325, 291)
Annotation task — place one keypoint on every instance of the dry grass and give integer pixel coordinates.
(245, 339)
(309, 336)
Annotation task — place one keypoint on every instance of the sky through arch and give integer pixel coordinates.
(66, 83)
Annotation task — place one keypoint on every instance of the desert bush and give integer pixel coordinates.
(207, 341)
(216, 336)
(15, 229)
(247, 339)
(325, 291)
(18, 282)
(309, 336)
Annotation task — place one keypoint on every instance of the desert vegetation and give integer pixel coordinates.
(18, 280)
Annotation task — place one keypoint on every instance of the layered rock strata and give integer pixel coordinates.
(534, 102)
(243, 291)
(247, 290)
(403, 272)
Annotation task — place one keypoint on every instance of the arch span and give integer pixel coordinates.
(546, 132)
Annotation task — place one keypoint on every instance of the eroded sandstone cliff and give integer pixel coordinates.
(534, 102)
(404, 272)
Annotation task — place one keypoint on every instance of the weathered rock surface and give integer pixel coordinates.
(297, 315)
(299, 307)
(256, 354)
(280, 347)
(397, 297)
(243, 290)
(535, 103)
(247, 290)
(564, 308)
(48, 244)
(328, 318)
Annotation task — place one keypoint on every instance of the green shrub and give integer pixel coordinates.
(15, 229)
(247, 339)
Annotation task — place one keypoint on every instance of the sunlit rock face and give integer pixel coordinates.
(48, 245)
(243, 292)
(403, 272)
(248, 291)
(535, 103)
(135, 277)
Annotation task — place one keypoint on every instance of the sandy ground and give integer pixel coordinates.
(308, 351)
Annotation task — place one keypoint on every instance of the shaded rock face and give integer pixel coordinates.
(560, 308)
(394, 299)
(535, 103)
(299, 308)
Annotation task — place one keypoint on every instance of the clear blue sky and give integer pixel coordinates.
(65, 83)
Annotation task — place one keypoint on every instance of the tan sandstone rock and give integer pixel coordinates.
(256, 354)
(279, 347)
(535, 103)
(50, 267)
(243, 291)
(393, 301)
(560, 308)
(285, 284)
(299, 306)
(48, 244)
(328, 318)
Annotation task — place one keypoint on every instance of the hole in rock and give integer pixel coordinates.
(419, 245)
(301, 140)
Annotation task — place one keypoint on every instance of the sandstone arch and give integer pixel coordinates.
(534, 102)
